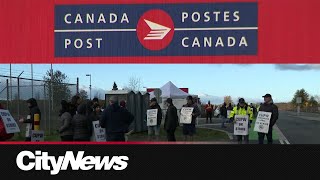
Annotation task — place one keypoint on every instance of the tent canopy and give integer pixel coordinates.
(169, 90)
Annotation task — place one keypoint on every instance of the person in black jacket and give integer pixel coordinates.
(171, 120)
(154, 131)
(82, 123)
(34, 109)
(268, 106)
(223, 113)
(115, 120)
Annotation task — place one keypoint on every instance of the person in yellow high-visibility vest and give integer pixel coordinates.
(242, 109)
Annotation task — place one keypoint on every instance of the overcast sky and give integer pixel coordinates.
(210, 80)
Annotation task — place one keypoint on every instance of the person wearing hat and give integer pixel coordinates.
(33, 109)
(242, 109)
(154, 131)
(171, 120)
(268, 106)
(190, 129)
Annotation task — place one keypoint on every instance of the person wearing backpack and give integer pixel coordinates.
(4, 136)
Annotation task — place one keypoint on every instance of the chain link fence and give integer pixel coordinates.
(14, 91)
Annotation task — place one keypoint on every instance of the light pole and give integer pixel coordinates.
(90, 84)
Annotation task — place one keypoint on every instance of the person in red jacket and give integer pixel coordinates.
(209, 108)
(3, 133)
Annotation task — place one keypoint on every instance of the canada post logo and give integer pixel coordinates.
(156, 30)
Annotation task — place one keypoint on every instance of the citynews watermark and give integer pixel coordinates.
(42, 161)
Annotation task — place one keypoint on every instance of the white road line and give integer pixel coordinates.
(176, 29)
(281, 135)
(287, 141)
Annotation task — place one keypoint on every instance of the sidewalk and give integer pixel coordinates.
(216, 124)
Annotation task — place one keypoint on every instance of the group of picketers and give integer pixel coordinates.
(188, 130)
(171, 121)
(242, 108)
(76, 119)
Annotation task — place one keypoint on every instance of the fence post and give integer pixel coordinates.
(7, 93)
(77, 85)
(44, 107)
(18, 97)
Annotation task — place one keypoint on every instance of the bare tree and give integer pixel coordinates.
(83, 94)
(228, 99)
(134, 84)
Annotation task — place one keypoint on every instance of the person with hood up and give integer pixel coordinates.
(65, 130)
(115, 120)
(33, 109)
(171, 120)
(3, 133)
(82, 123)
(268, 106)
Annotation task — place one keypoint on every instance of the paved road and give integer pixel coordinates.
(303, 129)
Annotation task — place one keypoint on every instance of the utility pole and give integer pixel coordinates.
(10, 86)
(19, 94)
(32, 80)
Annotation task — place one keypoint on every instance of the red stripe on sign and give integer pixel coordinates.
(36, 123)
(288, 33)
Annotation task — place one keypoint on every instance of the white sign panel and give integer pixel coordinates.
(152, 117)
(299, 100)
(10, 124)
(186, 115)
(37, 136)
(262, 122)
(99, 133)
(241, 125)
(228, 113)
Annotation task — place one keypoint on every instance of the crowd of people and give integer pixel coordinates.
(77, 115)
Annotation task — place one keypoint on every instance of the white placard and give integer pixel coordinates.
(99, 133)
(10, 124)
(152, 115)
(299, 100)
(241, 125)
(37, 135)
(262, 122)
(186, 115)
(228, 113)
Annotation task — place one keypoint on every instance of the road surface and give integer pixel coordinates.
(289, 129)
(303, 129)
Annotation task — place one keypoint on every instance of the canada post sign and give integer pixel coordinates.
(206, 29)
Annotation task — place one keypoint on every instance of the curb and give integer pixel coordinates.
(230, 135)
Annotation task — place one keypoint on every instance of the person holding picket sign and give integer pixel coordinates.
(154, 118)
(4, 136)
(33, 109)
(189, 129)
(242, 109)
(268, 106)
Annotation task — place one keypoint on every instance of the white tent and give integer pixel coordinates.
(169, 90)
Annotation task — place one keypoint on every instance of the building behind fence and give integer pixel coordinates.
(15, 91)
